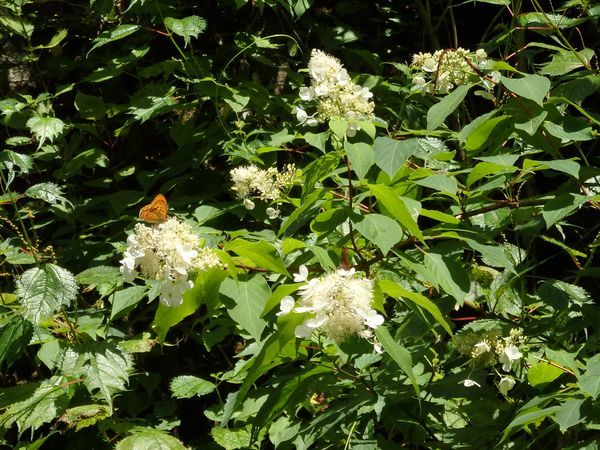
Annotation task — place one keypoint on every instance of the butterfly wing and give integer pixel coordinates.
(155, 211)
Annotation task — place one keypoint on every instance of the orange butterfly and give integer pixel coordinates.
(155, 211)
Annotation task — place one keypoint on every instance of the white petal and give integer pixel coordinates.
(469, 383)
(272, 213)
(248, 204)
(301, 115)
(506, 384)
(305, 93)
(302, 331)
(286, 305)
(302, 274)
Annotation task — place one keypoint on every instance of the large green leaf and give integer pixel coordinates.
(361, 157)
(45, 128)
(590, 380)
(381, 230)
(562, 206)
(398, 353)
(391, 154)
(14, 338)
(440, 111)
(449, 275)
(394, 204)
(112, 35)
(245, 302)
(188, 386)
(148, 438)
(205, 291)
(532, 87)
(261, 253)
(125, 300)
(44, 290)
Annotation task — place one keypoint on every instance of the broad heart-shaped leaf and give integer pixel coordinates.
(361, 157)
(398, 353)
(261, 253)
(390, 154)
(45, 128)
(541, 373)
(231, 438)
(14, 338)
(108, 36)
(187, 386)
(393, 289)
(44, 290)
(532, 87)
(149, 438)
(245, 302)
(394, 204)
(449, 275)
(438, 112)
(103, 366)
(570, 414)
(205, 291)
(48, 401)
(48, 192)
(381, 230)
(187, 27)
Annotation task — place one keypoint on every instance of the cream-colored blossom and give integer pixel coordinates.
(167, 252)
(339, 304)
(446, 69)
(335, 94)
(506, 384)
(509, 355)
(264, 184)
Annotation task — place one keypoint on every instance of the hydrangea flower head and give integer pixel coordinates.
(339, 304)
(264, 184)
(335, 94)
(167, 252)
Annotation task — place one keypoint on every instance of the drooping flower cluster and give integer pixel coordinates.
(503, 350)
(167, 252)
(335, 94)
(264, 184)
(442, 71)
(339, 303)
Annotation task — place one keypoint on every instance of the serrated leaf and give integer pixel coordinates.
(48, 192)
(45, 128)
(44, 290)
(391, 154)
(187, 27)
(108, 36)
(245, 302)
(231, 439)
(43, 405)
(14, 338)
(84, 416)
(187, 386)
(150, 439)
(8, 159)
(438, 113)
(381, 230)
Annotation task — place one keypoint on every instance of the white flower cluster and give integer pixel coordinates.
(339, 304)
(335, 94)
(443, 70)
(250, 181)
(506, 350)
(167, 252)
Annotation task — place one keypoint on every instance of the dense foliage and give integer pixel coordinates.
(382, 224)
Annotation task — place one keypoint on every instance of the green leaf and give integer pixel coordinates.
(85, 415)
(14, 339)
(569, 414)
(561, 206)
(8, 159)
(493, 255)
(542, 373)
(104, 278)
(44, 290)
(188, 386)
(108, 36)
(187, 27)
(126, 300)
(528, 418)
(231, 439)
(205, 291)
(48, 192)
(305, 211)
(589, 382)
(261, 253)
(566, 61)
(394, 290)
(150, 439)
(532, 87)
(318, 170)
(361, 157)
(483, 169)
(569, 129)
(245, 302)
(449, 275)
(480, 135)
(56, 39)
(89, 106)
(394, 204)
(41, 406)
(440, 183)
(398, 353)
(104, 367)
(391, 154)
(438, 113)
(381, 230)
(45, 128)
